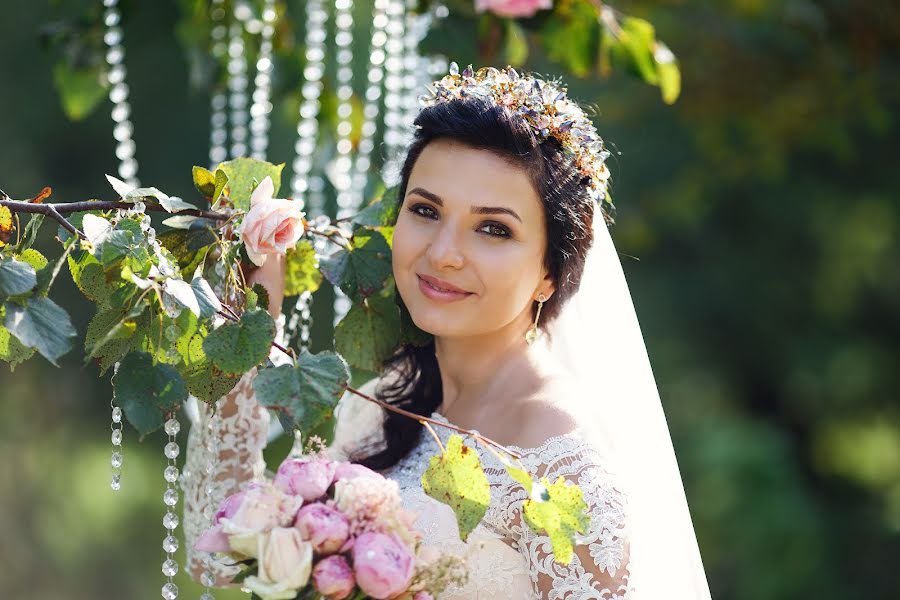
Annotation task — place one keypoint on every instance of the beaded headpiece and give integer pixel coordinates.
(545, 107)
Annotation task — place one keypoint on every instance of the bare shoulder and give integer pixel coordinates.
(548, 414)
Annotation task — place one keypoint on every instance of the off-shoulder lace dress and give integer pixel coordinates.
(505, 558)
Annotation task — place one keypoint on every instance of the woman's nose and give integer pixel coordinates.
(444, 250)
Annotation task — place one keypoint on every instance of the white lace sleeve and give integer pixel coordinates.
(241, 428)
(600, 568)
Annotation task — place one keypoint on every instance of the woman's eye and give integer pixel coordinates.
(422, 210)
(496, 230)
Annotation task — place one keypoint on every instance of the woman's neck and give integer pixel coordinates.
(478, 373)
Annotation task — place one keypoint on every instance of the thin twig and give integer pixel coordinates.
(433, 433)
(420, 418)
(64, 208)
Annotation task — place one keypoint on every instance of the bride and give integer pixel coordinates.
(501, 252)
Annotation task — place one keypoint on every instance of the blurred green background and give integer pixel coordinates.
(759, 219)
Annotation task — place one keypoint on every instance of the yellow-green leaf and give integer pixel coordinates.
(457, 479)
(557, 509)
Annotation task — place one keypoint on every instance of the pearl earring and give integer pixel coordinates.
(531, 334)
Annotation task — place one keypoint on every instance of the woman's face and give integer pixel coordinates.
(473, 221)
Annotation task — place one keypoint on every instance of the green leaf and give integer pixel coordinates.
(222, 181)
(557, 509)
(116, 245)
(30, 233)
(183, 293)
(34, 258)
(111, 335)
(90, 277)
(381, 211)
(257, 295)
(79, 89)
(238, 347)
(188, 246)
(457, 479)
(16, 277)
(305, 393)
(147, 392)
(129, 193)
(301, 269)
(41, 325)
(363, 269)
(205, 380)
(244, 174)
(669, 73)
(206, 297)
(204, 181)
(6, 225)
(12, 350)
(515, 44)
(369, 333)
(571, 36)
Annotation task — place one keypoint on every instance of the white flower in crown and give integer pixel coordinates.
(542, 104)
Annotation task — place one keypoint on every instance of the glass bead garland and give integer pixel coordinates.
(118, 92)
(261, 107)
(170, 499)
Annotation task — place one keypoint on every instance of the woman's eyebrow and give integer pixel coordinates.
(476, 210)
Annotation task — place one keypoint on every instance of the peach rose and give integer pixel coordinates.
(272, 225)
(513, 8)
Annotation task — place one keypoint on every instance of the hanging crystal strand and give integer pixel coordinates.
(237, 80)
(372, 106)
(116, 438)
(393, 83)
(170, 498)
(346, 205)
(118, 92)
(261, 107)
(218, 134)
(208, 578)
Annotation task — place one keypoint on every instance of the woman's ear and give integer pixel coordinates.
(547, 287)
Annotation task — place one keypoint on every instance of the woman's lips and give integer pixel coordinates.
(429, 291)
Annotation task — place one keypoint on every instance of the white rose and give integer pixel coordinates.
(285, 563)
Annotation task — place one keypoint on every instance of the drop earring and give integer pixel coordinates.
(532, 332)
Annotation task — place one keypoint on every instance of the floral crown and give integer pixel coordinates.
(545, 107)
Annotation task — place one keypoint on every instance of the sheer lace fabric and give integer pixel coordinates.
(505, 558)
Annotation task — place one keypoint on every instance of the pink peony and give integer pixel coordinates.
(513, 8)
(383, 565)
(272, 225)
(252, 512)
(309, 479)
(333, 578)
(324, 526)
(347, 470)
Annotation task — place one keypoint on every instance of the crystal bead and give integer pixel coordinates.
(170, 544)
(170, 521)
(173, 427)
(170, 498)
(116, 437)
(170, 591)
(115, 483)
(171, 450)
(171, 474)
(208, 579)
(170, 568)
(116, 460)
(207, 596)
(116, 414)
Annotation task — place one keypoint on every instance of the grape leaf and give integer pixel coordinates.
(111, 335)
(188, 246)
(363, 269)
(238, 347)
(41, 324)
(304, 394)
(16, 276)
(301, 270)
(90, 277)
(204, 380)
(34, 258)
(369, 332)
(244, 174)
(12, 350)
(558, 509)
(147, 392)
(457, 479)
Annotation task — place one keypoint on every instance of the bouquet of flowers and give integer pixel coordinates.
(327, 530)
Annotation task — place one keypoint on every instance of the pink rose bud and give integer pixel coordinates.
(309, 479)
(272, 225)
(325, 527)
(513, 8)
(383, 565)
(333, 578)
(352, 471)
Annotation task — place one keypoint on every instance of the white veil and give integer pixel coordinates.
(597, 336)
